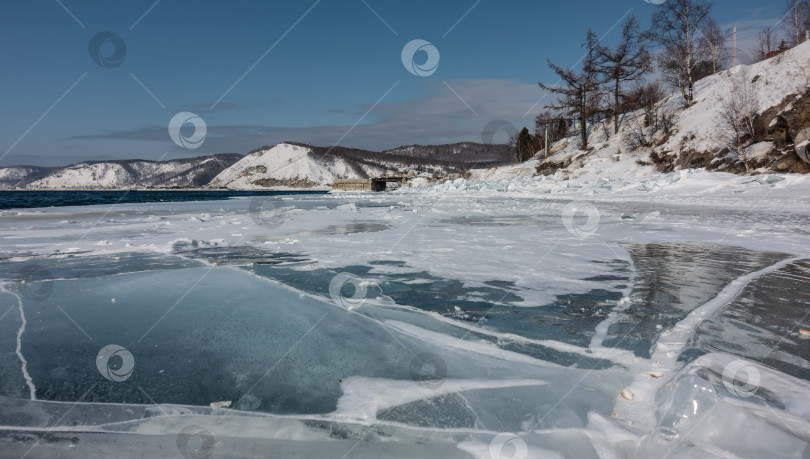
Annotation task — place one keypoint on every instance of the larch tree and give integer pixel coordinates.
(579, 91)
(676, 28)
(628, 61)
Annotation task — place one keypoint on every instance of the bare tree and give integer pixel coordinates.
(766, 42)
(675, 26)
(628, 61)
(794, 23)
(804, 12)
(580, 90)
(714, 39)
(737, 116)
(648, 98)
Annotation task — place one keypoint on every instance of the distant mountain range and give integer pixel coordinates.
(288, 164)
(178, 173)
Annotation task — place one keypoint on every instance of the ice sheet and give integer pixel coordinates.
(466, 320)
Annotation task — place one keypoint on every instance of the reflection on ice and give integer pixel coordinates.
(671, 281)
(763, 323)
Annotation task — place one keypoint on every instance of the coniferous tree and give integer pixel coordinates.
(579, 90)
(628, 61)
(525, 145)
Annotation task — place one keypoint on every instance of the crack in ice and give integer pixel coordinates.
(23, 362)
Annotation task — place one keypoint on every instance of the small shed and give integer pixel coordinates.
(358, 185)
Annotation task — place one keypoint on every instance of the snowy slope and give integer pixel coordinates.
(773, 80)
(191, 172)
(15, 176)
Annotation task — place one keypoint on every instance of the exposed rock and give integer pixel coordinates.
(694, 160)
(786, 124)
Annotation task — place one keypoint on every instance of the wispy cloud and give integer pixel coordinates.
(440, 116)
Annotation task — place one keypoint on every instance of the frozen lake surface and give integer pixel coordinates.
(446, 322)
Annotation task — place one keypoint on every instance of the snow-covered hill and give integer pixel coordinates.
(14, 176)
(192, 172)
(302, 166)
(289, 165)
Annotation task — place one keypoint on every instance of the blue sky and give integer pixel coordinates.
(261, 72)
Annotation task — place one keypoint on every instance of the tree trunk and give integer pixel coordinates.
(616, 108)
(796, 19)
(583, 127)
